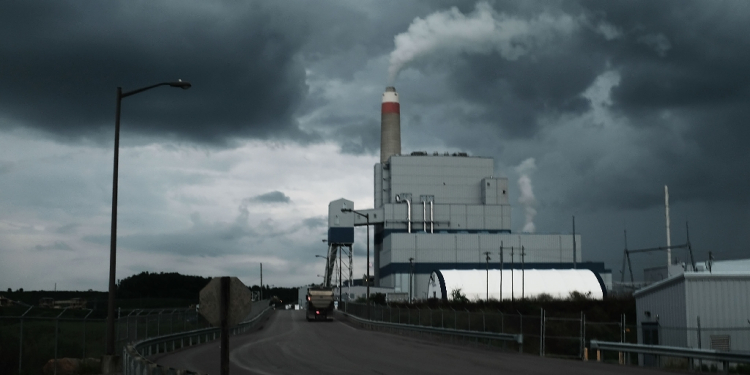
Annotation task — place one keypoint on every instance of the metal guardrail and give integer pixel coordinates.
(134, 361)
(442, 331)
(674, 351)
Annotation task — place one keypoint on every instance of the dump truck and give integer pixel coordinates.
(319, 303)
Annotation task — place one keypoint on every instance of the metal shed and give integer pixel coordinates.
(701, 310)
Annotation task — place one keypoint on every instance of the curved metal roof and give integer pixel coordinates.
(475, 284)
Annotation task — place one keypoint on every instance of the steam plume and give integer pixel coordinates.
(482, 31)
(527, 199)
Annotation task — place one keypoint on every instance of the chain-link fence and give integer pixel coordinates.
(547, 333)
(28, 342)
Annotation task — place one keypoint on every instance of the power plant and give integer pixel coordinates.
(443, 211)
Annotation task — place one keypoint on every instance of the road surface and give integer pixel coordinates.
(288, 344)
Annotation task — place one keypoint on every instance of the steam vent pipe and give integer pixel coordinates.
(390, 125)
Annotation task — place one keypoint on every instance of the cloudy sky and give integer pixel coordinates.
(598, 104)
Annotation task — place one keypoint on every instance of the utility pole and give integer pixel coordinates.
(261, 281)
(523, 274)
(501, 271)
(487, 260)
(669, 237)
(574, 243)
(512, 278)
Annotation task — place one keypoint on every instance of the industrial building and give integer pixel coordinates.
(478, 284)
(443, 211)
(706, 309)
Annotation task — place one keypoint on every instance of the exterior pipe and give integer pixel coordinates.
(432, 218)
(408, 211)
(408, 215)
(424, 216)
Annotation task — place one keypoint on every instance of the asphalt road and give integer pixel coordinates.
(288, 344)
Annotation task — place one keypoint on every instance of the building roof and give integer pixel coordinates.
(735, 266)
(714, 275)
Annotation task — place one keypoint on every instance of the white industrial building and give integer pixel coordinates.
(441, 212)
(511, 284)
(704, 309)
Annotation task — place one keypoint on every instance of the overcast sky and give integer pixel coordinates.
(604, 103)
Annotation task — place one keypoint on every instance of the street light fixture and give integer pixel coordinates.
(367, 281)
(110, 350)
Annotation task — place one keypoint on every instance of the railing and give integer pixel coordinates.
(704, 354)
(489, 336)
(134, 359)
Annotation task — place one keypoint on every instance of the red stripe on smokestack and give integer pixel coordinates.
(390, 125)
(391, 107)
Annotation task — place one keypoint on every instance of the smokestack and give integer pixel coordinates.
(390, 125)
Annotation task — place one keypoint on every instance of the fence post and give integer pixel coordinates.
(20, 341)
(620, 355)
(700, 362)
(583, 317)
(84, 334)
(541, 332)
(119, 325)
(521, 329)
(57, 328)
(580, 338)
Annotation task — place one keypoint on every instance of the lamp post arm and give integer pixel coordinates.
(142, 89)
(181, 84)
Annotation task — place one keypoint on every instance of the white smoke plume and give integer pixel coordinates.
(482, 31)
(527, 199)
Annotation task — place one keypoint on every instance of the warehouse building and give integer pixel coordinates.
(708, 309)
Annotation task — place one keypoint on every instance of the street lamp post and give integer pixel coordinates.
(110, 350)
(367, 217)
(487, 259)
(411, 272)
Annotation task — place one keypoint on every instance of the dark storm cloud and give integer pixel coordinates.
(684, 91)
(62, 61)
(359, 137)
(271, 197)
